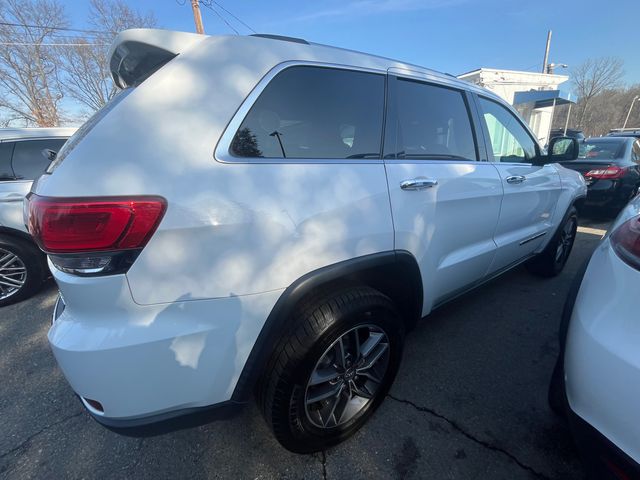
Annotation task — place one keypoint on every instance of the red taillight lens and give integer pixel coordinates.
(606, 173)
(625, 241)
(76, 225)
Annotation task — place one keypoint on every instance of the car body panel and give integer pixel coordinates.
(602, 363)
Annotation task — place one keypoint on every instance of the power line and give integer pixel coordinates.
(44, 27)
(210, 7)
(239, 20)
(25, 44)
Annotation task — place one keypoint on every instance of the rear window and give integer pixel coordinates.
(601, 150)
(315, 113)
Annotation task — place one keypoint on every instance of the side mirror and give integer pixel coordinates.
(49, 154)
(563, 149)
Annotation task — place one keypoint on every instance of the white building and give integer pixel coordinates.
(534, 95)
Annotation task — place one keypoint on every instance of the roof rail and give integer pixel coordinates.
(281, 37)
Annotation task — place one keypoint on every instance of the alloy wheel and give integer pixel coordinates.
(567, 236)
(13, 274)
(347, 376)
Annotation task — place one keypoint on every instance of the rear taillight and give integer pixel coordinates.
(94, 235)
(606, 173)
(625, 241)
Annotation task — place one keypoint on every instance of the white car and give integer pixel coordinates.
(599, 367)
(25, 153)
(264, 210)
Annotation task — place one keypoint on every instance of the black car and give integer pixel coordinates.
(559, 132)
(611, 168)
(627, 132)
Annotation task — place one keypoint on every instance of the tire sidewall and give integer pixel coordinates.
(571, 217)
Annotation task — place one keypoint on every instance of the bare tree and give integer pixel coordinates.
(86, 64)
(30, 87)
(593, 77)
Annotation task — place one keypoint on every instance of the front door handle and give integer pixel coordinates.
(516, 179)
(420, 183)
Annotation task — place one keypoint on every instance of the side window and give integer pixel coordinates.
(432, 123)
(315, 112)
(28, 160)
(6, 149)
(510, 142)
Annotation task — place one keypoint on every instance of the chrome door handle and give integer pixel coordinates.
(419, 183)
(516, 179)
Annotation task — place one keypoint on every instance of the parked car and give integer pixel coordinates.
(611, 168)
(571, 132)
(624, 132)
(253, 230)
(597, 377)
(25, 153)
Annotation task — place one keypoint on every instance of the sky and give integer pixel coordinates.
(453, 36)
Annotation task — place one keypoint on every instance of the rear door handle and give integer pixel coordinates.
(516, 179)
(420, 183)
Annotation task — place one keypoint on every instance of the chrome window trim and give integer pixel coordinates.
(26, 139)
(222, 150)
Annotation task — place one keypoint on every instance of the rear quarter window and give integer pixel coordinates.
(315, 113)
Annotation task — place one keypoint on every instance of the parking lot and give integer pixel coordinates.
(469, 402)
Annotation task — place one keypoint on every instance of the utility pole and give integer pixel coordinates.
(197, 17)
(546, 53)
(629, 112)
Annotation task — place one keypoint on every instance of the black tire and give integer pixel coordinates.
(32, 259)
(548, 263)
(557, 395)
(316, 327)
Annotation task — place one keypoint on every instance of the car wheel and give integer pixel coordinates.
(334, 368)
(553, 258)
(21, 270)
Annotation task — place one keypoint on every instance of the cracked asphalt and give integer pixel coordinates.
(469, 402)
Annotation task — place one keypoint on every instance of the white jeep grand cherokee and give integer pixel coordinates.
(266, 213)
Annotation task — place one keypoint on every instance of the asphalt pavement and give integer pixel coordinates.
(469, 402)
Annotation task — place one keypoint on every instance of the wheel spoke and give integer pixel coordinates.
(374, 356)
(371, 342)
(342, 357)
(12, 282)
(323, 375)
(323, 393)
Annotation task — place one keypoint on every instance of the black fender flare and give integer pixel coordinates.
(395, 273)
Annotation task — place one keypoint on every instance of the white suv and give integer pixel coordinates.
(266, 212)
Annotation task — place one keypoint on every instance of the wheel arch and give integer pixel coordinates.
(393, 273)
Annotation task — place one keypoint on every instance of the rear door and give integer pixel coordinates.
(445, 201)
(531, 192)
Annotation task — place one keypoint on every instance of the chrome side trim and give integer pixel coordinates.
(221, 152)
(531, 239)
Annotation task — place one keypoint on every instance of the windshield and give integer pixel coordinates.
(601, 150)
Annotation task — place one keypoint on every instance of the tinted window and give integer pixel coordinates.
(5, 161)
(432, 123)
(28, 160)
(602, 150)
(510, 142)
(314, 112)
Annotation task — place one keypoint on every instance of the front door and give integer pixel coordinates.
(531, 192)
(445, 202)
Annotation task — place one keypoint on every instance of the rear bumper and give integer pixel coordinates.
(149, 363)
(607, 193)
